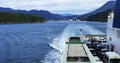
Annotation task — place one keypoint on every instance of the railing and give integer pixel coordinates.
(74, 42)
(64, 54)
(92, 59)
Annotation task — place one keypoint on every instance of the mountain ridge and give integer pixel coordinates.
(46, 14)
(110, 5)
(106, 6)
(51, 16)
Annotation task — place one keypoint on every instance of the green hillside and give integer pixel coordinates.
(13, 17)
(102, 16)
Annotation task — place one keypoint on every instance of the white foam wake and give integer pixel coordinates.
(58, 43)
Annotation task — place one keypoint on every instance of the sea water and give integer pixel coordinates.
(41, 42)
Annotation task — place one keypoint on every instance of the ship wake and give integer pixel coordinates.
(58, 44)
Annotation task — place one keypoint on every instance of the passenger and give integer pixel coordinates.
(108, 47)
(92, 42)
(112, 47)
(88, 43)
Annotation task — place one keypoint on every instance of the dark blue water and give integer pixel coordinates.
(40, 43)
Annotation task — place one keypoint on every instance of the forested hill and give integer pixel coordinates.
(15, 17)
(44, 13)
(102, 16)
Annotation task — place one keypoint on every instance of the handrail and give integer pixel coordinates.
(74, 42)
(92, 60)
(64, 54)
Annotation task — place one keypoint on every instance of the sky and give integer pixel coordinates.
(55, 6)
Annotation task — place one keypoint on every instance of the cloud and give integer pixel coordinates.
(55, 6)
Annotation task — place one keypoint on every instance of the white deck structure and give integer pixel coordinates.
(113, 34)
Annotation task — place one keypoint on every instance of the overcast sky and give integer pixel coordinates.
(55, 6)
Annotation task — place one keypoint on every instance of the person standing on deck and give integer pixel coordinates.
(82, 37)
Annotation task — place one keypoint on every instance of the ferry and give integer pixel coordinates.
(96, 48)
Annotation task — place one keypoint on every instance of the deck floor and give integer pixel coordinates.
(76, 50)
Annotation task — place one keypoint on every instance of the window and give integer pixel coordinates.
(110, 38)
(118, 33)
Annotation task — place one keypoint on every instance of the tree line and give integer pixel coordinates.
(15, 17)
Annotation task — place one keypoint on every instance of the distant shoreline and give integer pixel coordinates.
(22, 23)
